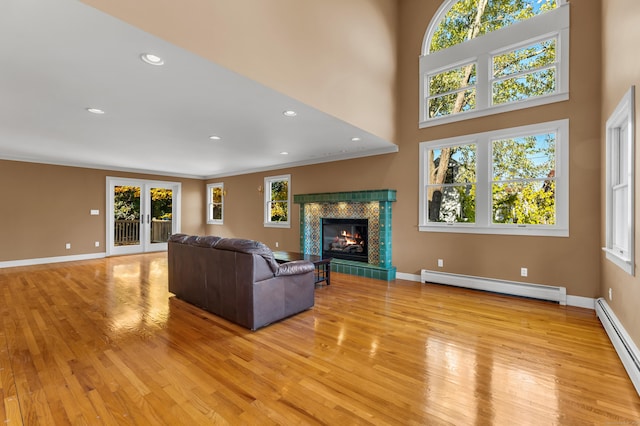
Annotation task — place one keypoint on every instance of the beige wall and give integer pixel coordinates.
(335, 55)
(46, 206)
(621, 70)
(572, 262)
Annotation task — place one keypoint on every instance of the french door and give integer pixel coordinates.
(141, 215)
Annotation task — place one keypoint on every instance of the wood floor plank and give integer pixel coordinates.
(102, 342)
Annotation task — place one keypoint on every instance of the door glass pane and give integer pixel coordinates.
(161, 214)
(126, 215)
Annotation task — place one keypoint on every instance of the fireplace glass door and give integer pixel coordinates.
(345, 239)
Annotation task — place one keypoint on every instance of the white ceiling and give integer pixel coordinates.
(59, 57)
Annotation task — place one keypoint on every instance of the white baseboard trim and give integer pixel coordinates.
(581, 302)
(57, 259)
(407, 277)
(515, 288)
(622, 342)
(577, 301)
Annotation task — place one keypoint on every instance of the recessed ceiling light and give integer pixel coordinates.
(284, 153)
(214, 138)
(152, 59)
(355, 139)
(289, 113)
(95, 111)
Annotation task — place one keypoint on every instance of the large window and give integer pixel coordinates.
(619, 184)
(481, 57)
(277, 199)
(215, 203)
(511, 181)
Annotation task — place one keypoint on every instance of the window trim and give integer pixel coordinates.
(483, 223)
(554, 23)
(210, 219)
(267, 199)
(623, 115)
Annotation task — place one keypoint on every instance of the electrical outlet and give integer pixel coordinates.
(67, 246)
(610, 294)
(277, 244)
(524, 272)
(440, 263)
(97, 243)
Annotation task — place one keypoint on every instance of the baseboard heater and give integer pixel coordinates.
(513, 288)
(626, 349)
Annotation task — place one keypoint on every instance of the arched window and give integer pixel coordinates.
(481, 57)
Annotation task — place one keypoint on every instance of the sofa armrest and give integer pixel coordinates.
(295, 268)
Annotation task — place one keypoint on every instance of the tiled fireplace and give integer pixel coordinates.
(374, 205)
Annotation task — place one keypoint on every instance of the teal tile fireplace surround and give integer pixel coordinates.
(374, 205)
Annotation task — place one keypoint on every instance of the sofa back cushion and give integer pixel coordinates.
(249, 247)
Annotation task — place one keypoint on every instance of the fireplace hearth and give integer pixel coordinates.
(345, 239)
(372, 206)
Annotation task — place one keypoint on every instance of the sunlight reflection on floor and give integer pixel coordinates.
(138, 299)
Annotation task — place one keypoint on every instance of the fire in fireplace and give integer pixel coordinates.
(345, 239)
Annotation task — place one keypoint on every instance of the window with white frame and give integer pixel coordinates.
(482, 57)
(511, 181)
(215, 203)
(277, 201)
(620, 171)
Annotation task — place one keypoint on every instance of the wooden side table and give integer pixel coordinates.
(322, 264)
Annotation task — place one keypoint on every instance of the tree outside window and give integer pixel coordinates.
(510, 181)
(517, 74)
(126, 203)
(523, 180)
(277, 200)
(215, 203)
(452, 195)
(506, 71)
(468, 19)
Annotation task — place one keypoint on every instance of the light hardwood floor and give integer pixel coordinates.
(101, 342)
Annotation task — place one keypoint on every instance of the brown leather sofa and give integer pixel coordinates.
(238, 279)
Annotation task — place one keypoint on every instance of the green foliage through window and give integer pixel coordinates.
(279, 202)
(468, 19)
(161, 203)
(522, 73)
(451, 190)
(126, 204)
(523, 182)
(523, 187)
(452, 91)
(215, 206)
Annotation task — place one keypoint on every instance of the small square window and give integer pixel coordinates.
(524, 73)
(452, 91)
